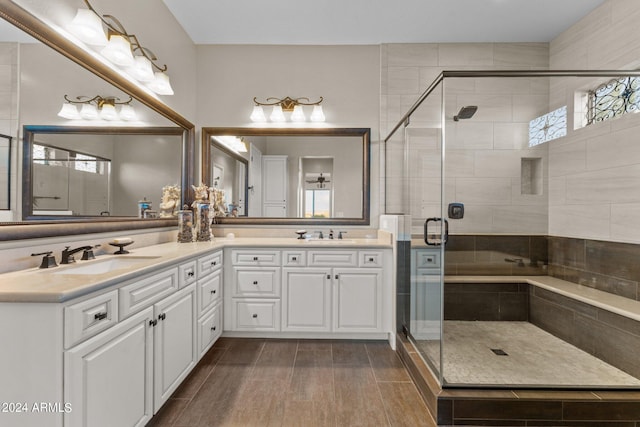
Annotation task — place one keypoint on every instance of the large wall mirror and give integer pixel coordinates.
(289, 176)
(166, 135)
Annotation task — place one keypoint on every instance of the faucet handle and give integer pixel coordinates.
(88, 253)
(320, 235)
(340, 233)
(48, 260)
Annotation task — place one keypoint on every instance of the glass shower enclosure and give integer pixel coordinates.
(479, 162)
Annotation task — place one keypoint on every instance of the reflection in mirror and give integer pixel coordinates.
(5, 171)
(84, 172)
(229, 174)
(294, 176)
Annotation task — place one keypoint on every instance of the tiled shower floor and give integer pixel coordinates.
(535, 357)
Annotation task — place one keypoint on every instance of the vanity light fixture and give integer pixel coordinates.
(289, 105)
(120, 48)
(96, 108)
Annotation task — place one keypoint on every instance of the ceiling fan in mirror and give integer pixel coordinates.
(319, 179)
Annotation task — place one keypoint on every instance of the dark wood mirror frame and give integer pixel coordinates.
(36, 28)
(364, 133)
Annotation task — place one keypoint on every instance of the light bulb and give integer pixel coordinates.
(127, 113)
(108, 112)
(257, 115)
(69, 111)
(141, 69)
(118, 51)
(160, 84)
(277, 115)
(317, 115)
(298, 114)
(89, 112)
(87, 26)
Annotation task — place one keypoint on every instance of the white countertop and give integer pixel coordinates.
(52, 285)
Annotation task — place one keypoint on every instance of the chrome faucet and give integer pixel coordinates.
(320, 235)
(67, 254)
(331, 234)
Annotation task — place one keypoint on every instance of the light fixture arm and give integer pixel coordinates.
(114, 26)
(287, 103)
(98, 100)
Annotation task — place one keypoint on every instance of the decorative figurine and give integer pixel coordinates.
(200, 193)
(170, 201)
(218, 204)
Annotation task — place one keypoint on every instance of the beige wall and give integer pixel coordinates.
(595, 171)
(483, 154)
(348, 77)
(9, 69)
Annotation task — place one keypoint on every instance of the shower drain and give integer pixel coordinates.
(499, 352)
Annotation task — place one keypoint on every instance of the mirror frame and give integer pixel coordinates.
(38, 29)
(29, 134)
(364, 133)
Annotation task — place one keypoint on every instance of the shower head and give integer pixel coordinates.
(466, 112)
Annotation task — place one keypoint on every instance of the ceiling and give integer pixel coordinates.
(330, 22)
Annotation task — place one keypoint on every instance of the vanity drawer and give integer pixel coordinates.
(209, 263)
(209, 290)
(146, 291)
(331, 258)
(427, 259)
(256, 282)
(209, 329)
(294, 258)
(256, 315)
(87, 318)
(370, 258)
(187, 274)
(255, 257)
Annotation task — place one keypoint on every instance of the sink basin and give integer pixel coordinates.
(102, 266)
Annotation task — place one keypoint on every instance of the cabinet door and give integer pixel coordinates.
(174, 349)
(357, 302)
(108, 378)
(306, 298)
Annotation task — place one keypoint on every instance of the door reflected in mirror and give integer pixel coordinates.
(5, 171)
(289, 176)
(98, 172)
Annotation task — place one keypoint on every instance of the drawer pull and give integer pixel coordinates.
(153, 322)
(370, 259)
(213, 328)
(255, 282)
(191, 274)
(255, 258)
(100, 316)
(329, 276)
(294, 258)
(255, 316)
(213, 291)
(162, 316)
(214, 263)
(337, 276)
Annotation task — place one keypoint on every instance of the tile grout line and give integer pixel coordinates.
(386, 413)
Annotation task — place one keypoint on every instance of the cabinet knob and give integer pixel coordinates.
(213, 328)
(100, 316)
(329, 276)
(294, 258)
(214, 263)
(370, 259)
(255, 282)
(255, 258)
(162, 316)
(153, 322)
(336, 276)
(255, 316)
(213, 291)
(191, 274)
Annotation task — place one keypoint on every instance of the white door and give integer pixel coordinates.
(275, 187)
(241, 186)
(357, 302)
(306, 298)
(175, 352)
(254, 198)
(108, 379)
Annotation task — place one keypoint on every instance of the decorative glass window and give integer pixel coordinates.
(86, 163)
(550, 126)
(613, 99)
(317, 203)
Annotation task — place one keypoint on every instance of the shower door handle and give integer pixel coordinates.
(436, 239)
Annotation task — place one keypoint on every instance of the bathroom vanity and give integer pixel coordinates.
(107, 341)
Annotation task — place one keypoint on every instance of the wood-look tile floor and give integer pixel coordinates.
(264, 382)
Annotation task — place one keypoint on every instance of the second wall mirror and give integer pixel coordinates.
(289, 176)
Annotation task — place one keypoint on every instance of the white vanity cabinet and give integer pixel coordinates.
(209, 290)
(309, 292)
(425, 321)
